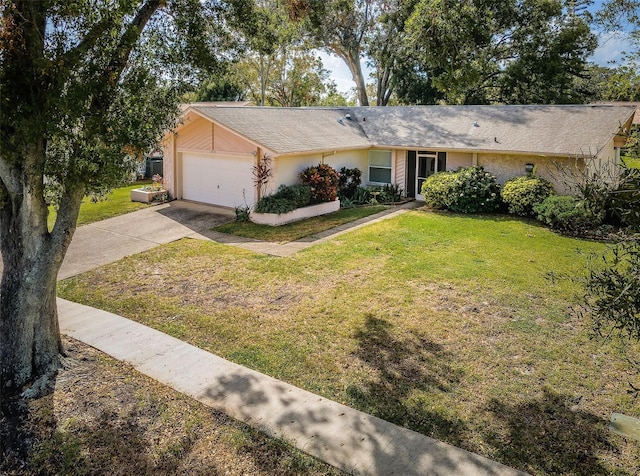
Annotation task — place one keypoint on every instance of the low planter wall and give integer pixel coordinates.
(273, 219)
(145, 196)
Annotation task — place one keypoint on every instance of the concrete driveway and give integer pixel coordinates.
(109, 240)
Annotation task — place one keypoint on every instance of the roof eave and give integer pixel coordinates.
(330, 150)
(225, 127)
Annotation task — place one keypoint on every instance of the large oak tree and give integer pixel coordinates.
(85, 86)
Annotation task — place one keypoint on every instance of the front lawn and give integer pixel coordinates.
(295, 231)
(115, 203)
(458, 327)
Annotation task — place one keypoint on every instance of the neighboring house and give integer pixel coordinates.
(210, 156)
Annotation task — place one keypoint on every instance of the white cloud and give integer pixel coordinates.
(610, 49)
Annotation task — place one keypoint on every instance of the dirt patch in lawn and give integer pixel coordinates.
(105, 418)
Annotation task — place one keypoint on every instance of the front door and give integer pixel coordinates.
(428, 163)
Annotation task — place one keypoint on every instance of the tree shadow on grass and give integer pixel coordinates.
(410, 373)
(546, 436)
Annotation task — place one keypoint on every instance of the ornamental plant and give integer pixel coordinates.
(286, 199)
(156, 184)
(566, 214)
(436, 190)
(521, 194)
(350, 180)
(467, 190)
(323, 180)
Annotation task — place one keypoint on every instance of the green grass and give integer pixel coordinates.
(297, 230)
(458, 327)
(116, 203)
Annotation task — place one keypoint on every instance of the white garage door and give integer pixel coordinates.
(218, 180)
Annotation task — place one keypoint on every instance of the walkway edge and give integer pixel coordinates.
(339, 435)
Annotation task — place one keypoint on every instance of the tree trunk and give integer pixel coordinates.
(383, 89)
(29, 333)
(352, 59)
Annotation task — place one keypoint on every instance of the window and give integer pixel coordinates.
(380, 166)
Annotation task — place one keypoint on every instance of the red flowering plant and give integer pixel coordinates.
(323, 180)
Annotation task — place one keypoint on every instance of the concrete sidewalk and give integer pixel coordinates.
(341, 436)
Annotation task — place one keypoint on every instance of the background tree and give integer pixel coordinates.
(341, 27)
(300, 80)
(387, 49)
(220, 87)
(622, 83)
(291, 76)
(84, 86)
(507, 51)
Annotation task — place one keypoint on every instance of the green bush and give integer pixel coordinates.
(361, 196)
(286, 199)
(242, 213)
(390, 193)
(467, 190)
(521, 194)
(299, 194)
(323, 180)
(566, 213)
(625, 200)
(349, 181)
(436, 190)
(273, 204)
(387, 193)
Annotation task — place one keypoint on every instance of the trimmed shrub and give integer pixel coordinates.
(299, 194)
(349, 181)
(286, 199)
(521, 194)
(436, 190)
(273, 204)
(323, 180)
(566, 213)
(467, 190)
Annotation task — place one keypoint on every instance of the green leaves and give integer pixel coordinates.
(477, 52)
(612, 292)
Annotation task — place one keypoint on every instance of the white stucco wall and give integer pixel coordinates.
(557, 170)
(605, 163)
(286, 169)
(456, 160)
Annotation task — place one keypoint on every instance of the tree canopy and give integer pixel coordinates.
(86, 87)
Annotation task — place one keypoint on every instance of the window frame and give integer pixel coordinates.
(379, 167)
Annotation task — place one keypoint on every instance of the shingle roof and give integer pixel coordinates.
(291, 130)
(552, 130)
(561, 130)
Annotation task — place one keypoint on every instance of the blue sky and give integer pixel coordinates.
(611, 46)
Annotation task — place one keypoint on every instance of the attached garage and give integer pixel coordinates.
(218, 179)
